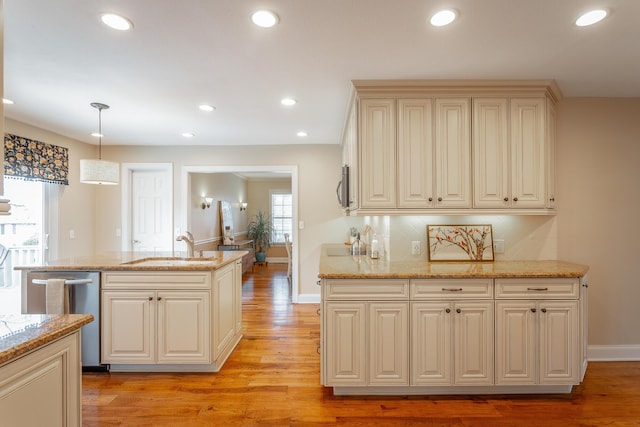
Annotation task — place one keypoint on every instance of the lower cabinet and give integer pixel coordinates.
(367, 343)
(171, 318)
(537, 342)
(155, 326)
(452, 343)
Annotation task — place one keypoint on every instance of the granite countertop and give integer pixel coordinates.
(333, 266)
(119, 261)
(22, 333)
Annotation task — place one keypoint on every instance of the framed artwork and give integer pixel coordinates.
(226, 222)
(460, 242)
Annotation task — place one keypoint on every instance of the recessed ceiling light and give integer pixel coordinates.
(264, 18)
(97, 134)
(288, 102)
(117, 22)
(188, 134)
(443, 17)
(591, 17)
(7, 101)
(207, 107)
(302, 134)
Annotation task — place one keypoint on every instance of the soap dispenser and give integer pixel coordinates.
(358, 247)
(374, 248)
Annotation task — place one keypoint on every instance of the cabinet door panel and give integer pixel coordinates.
(453, 153)
(128, 327)
(431, 358)
(473, 343)
(183, 329)
(528, 151)
(516, 343)
(490, 152)
(415, 153)
(388, 355)
(559, 342)
(378, 153)
(346, 342)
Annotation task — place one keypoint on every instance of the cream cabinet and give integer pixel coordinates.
(459, 148)
(538, 338)
(452, 332)
(191, 319)
(366, 340)
(350, 153)
(155, 326)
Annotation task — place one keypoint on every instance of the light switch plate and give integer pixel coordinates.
(498, 246)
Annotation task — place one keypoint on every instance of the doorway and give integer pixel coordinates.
(290, 170)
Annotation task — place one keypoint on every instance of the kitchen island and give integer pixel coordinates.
(414, 327)
(40, 362)
(163, 311)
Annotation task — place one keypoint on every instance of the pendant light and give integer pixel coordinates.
(99, 171)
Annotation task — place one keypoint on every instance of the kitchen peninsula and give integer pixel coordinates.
(163, 312)
(40, 362)
(414, 327)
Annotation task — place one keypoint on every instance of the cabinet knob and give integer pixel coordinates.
(553, 199)
(159, 298)
(515, 199)
(506, 199)
(439, 199)
(544, 310)
(318, 312)
(150, 298)
(458, 310)
(318, 283)
(533, 310)
(448, 310)
(431, 199)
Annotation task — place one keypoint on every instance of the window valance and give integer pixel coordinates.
(34, 160)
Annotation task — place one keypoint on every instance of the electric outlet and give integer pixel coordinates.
(72, 234)
(415, 247)
(498, 246)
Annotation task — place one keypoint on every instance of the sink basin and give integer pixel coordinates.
(170, 261)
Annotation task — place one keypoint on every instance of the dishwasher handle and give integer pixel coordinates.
(66, 282)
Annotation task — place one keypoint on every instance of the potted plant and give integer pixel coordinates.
(259, 230)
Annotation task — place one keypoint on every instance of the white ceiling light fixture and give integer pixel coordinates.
(206, 107)
(302, 134)
(288, 102)
(443, 17)
(7, 101)
(591, 17)
(188, 134)
(117, 22)
(264, 18)
(99, 171)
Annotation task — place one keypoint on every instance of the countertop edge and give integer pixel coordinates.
(32, 339)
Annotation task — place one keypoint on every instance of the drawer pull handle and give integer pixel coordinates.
(452, 289)
(537, 289)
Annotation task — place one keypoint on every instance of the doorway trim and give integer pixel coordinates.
(127, 170)
(185, 206)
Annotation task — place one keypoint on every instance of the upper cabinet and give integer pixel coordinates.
(458, 147)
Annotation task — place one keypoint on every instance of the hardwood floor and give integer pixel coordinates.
(273, 378)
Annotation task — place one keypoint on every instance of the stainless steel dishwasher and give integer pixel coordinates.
(84, 298)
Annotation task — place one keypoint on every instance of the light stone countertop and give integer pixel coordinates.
(357, 267)
(22, 333)
(130, 261)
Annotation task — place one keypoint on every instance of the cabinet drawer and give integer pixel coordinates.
(156, 280)
(554, 288)
(365, 289)
(430, 289)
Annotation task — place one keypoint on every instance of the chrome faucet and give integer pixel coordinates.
(189, 240)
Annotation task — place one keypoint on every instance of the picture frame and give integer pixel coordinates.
(226, 222)
(465, 242)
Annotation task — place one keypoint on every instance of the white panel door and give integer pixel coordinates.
(559, 342)
(516, 343)
(388, 343)
(346, 340)
(453, 153)
(151, 211)
(183, 327)
(431, 356)
(415, 153)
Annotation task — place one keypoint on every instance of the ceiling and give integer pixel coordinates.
(59, 58)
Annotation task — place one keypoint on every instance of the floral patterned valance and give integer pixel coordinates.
(34, 160)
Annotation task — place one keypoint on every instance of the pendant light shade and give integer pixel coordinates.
(99, 171)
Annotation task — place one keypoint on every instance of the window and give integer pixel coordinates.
(281, 215)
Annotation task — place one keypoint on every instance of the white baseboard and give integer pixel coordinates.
(309, 299)
(610, 353)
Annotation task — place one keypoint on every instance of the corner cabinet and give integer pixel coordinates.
(170, 320)
(458, 146)
(453, 336)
